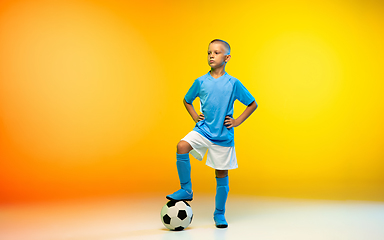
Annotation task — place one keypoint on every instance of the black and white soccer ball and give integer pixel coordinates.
(176, 215)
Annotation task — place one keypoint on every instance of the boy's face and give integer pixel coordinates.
(217, 55)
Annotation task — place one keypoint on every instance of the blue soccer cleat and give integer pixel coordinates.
(220, 221)
(181, 195)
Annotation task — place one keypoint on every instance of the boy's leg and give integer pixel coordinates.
(222, 189)
(184, 170)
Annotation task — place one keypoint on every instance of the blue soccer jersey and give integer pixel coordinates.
(217, 97)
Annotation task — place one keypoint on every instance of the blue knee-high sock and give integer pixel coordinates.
(222, 190)
(184, 169)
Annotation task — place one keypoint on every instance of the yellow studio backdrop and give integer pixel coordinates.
(91, 96)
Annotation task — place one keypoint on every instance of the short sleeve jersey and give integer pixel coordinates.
(217, 97)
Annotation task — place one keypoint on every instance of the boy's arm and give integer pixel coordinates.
(230, 122)
(191, 110)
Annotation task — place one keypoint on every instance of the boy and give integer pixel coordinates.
(214, 127)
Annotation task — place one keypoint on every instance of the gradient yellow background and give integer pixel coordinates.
(91, 96)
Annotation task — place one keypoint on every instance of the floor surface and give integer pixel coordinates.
(248, 217)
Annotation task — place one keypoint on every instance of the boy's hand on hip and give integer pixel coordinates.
(201, 117)
(230, 122)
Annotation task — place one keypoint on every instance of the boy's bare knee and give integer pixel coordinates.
(221, 173)
(183, 147)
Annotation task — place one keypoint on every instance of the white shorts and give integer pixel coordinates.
(219, 157)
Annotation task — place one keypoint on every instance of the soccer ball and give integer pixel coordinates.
(176, 215)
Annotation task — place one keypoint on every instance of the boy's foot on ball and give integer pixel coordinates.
(220, 221)
(181, 195)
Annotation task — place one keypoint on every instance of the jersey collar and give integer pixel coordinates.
(210, 76)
